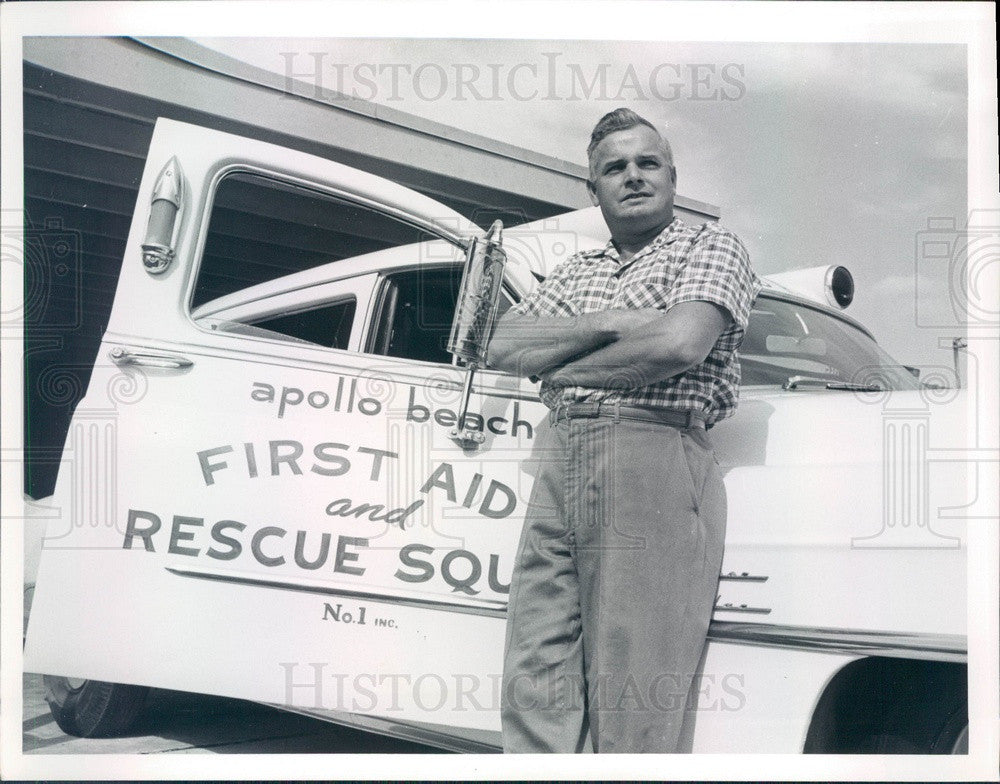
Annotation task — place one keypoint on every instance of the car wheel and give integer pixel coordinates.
(961, 743)
(954, 735)
(886, 706)
(93, 709)
(921, 733)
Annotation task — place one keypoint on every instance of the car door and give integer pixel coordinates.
(257, 498)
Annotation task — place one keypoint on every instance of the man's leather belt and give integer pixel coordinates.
(662, 416)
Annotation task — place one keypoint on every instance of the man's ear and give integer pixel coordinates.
(593, 193)
(673, 174)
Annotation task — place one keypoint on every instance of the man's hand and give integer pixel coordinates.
(662, 347)
(530, 345)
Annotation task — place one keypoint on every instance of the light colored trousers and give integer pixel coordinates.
(613, 588)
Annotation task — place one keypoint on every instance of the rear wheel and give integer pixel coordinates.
(961, 743)
(93, 709)
(892, 706)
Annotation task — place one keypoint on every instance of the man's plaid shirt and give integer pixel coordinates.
(682, 263)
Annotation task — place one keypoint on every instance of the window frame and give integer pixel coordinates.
(384, 285)
(334, 193)
(287, 303)
(327, 303)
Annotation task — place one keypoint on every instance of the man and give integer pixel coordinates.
(618, 564)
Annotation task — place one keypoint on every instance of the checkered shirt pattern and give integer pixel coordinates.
(683, 263)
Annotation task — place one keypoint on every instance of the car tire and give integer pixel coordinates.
(920, 731)
(93, 709)
(953, 739)
(954, 735)
(880, 705)
(960, 744)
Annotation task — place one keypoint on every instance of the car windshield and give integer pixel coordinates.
(787, 339)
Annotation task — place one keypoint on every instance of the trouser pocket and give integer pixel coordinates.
(695, 463)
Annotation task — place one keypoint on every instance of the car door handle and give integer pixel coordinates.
(122, 356)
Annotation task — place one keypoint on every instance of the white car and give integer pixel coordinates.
(262, 494)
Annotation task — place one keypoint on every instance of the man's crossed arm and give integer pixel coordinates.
(612, 348)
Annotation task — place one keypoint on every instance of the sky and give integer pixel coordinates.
(816, 154)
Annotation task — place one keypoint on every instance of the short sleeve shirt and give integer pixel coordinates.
(683, 263)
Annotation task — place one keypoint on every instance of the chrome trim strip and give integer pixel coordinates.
(744, 576)
(744, 608)
(489, 608)
(412, 731)
(938, 647)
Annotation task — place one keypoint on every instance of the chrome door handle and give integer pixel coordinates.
(122, 356)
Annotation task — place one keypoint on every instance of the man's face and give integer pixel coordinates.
(633, 181)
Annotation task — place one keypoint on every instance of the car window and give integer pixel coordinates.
(415, 315)
(263, 229)
(785, 339)
(328, 325)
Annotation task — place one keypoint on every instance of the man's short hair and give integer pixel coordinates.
(621, 120)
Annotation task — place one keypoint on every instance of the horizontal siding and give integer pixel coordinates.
(86, 123)
(67, 190)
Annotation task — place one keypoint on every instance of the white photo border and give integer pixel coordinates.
(970, 24)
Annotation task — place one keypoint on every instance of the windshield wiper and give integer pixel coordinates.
(793, 382)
